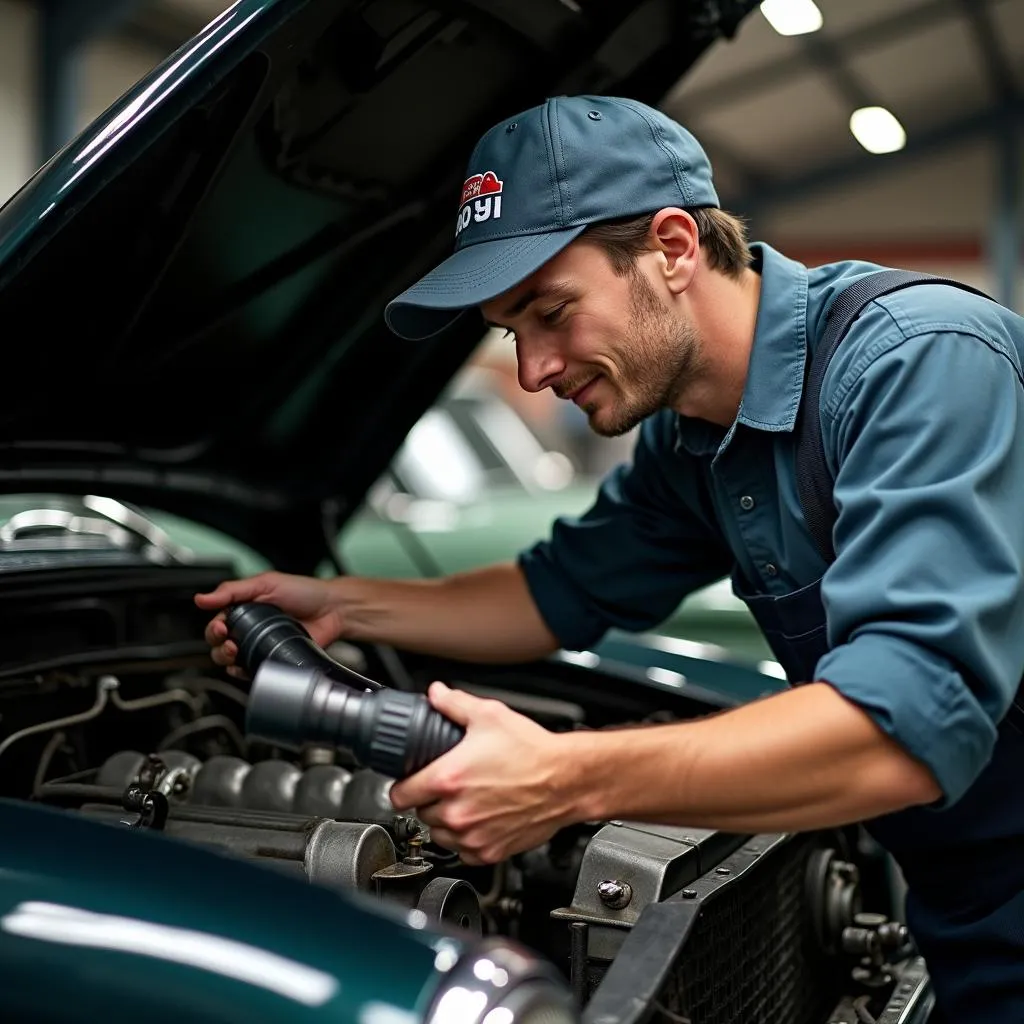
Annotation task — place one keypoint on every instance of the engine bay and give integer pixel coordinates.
(709, 926)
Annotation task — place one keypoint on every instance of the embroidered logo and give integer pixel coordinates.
(481, 200)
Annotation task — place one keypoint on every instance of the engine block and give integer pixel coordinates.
(333, 827)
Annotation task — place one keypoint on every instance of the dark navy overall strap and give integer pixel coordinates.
(814, 481)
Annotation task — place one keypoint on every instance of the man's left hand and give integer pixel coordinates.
(502, 789)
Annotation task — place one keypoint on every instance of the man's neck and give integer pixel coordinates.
(724, 311)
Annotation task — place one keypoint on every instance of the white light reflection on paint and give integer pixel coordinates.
(417, 919)
(588, 659)
(665, 676)
(484, 969)
(446, 958)
(137, 108)
(499, 1015)
(383, 1013)
(71, 926)
(459, 1005)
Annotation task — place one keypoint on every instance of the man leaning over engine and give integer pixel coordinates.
(590, 230)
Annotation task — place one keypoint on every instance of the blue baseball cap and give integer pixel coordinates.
(536, 181)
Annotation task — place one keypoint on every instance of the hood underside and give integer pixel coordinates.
(192, 290)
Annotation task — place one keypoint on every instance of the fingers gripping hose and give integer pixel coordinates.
(301, 695)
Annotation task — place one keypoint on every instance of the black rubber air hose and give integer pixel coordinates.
(301, 695)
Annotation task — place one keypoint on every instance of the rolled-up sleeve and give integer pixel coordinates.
(925, 600)
(645, 543)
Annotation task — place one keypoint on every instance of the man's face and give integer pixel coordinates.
(608, 342)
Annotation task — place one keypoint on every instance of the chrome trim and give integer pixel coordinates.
(913, 998)
(919, 1011)
(487, 978)
(163, 545)
(114, 525)
(59, 519)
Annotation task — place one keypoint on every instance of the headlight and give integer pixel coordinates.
(497, 982)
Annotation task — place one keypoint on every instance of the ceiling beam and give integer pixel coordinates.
(830, 59)
(1006, 231)
(990, 53)
(757, 80)
(802, 185)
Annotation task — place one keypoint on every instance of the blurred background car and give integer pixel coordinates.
(475, 483)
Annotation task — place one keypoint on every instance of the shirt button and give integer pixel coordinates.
(771, 569)
(746, 503)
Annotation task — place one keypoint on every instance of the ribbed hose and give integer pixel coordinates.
(300, 695)
(408, 734)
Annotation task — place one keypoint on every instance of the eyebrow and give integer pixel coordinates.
(557, 290)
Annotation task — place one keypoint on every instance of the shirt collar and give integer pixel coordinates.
(775, 377)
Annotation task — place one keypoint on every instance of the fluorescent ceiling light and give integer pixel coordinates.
(792, 17)
(877, 130)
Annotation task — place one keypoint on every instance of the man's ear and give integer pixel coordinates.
(673, 233)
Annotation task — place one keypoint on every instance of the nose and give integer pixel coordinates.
(540, 363)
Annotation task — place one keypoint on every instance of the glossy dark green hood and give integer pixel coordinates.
(192, 290)
(139, 927)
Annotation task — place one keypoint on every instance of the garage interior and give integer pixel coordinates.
(772, 110)
(885, 130)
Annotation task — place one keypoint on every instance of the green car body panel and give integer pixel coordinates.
(502, 522)
(82, 939)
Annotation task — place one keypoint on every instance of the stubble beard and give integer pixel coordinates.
(660, 356)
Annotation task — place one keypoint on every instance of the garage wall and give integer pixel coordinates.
(17, 103)
(891, 218)
(109, 67)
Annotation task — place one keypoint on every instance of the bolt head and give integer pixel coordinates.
(614, 894)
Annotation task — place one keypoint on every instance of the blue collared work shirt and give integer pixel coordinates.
(923, 426)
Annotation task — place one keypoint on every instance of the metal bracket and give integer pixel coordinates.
(649, 862)
(633, 982)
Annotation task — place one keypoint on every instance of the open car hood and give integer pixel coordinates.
(192, 290)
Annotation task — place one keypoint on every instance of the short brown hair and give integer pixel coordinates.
(723, 237)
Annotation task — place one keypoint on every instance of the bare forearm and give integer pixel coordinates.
(804, 759)
(485, 615)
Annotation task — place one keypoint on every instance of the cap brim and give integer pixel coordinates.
(473, 275)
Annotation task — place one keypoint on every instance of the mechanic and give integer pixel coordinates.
(590, 230)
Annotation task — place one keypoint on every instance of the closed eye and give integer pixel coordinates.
(552, 316)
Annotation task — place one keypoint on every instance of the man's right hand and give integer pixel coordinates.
(313, 602)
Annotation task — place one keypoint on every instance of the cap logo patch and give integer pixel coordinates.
(481, 200)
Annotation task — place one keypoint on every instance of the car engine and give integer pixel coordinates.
(126, 721)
